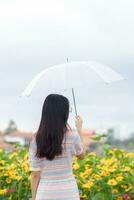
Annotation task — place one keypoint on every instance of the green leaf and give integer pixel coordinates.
(98, 137)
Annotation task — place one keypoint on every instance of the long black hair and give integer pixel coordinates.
(53, 126)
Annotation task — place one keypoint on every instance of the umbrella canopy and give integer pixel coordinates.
(72, 75)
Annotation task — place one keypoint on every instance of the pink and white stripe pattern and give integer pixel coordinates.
(57, 181)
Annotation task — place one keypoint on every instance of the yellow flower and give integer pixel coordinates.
(76, 166)
(114, 191)
(5, 174)
(126, 169)
(11, 174)
(10, 198)
(112, 182)
(124, 186)
(104, 172)
(129, 155)
(25, 167)
(98, 167)
(8, 180)
(128, 189)
(112, 169)
(13, 155)
(89, 170)
(75, 158)
(96, 176)
(88, 185)
(26, 157)
(119, 178)
(83, 175)
(119, 198)
(107, 162)
(83, 196)
(3, 192)
(12, 167)
(18, 178)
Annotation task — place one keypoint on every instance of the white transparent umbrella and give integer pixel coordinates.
(72, 75)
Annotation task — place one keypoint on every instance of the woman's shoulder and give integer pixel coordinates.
(72, 134)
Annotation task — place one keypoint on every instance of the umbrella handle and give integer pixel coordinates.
(74, 102)
(74, 99)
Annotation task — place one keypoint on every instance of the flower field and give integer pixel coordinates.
(107, 177)
(110, 177)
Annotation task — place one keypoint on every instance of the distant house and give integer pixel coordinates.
(24, 138)
(20, 137)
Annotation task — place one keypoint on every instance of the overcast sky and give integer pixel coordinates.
(35, 35)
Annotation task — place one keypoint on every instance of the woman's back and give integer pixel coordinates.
(56, 179)
(60, 166)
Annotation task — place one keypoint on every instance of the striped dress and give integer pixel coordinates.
(57, 181)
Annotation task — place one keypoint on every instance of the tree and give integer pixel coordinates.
(11, 127)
